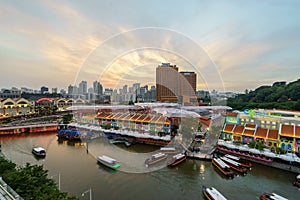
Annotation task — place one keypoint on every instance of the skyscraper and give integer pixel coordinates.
(167, 82)
(98, 89)
(174, 86)
(82, 87)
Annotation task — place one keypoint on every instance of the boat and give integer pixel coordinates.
(238, 159)
(223, 167)
(39, 152)
(120, 141)
(212, 193)
(245, 154)
(235, 165)
(176, 160)
(155, 158)
(168, 150)
(272, 196)
(297, 181)
(108, 162)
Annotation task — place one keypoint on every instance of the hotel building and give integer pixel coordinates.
(174, 86)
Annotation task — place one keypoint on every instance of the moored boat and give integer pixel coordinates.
(108, 161)
(39, 152)
(238, 159)
(249, 155)
(272, 196)
(212, 193)
(155, 158)
(235, 165)
(176, 160)
(223, 167)
(168, 150)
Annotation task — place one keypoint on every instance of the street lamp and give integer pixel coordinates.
(90, 191)
(58, 179)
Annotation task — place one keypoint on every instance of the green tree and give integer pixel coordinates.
(31, 181)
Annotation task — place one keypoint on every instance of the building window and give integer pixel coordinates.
(262, 122)
(252, 120)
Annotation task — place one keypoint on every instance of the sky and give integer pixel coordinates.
(232, 45)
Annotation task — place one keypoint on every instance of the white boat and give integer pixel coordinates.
(108, 161)
(273, 196)
(39, 151)
(155, 158)
(212, 193)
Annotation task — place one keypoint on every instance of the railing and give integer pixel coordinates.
(9, 192)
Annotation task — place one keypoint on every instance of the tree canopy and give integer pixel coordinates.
(31, 181)
(279, 96)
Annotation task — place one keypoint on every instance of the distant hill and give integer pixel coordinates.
(280, 96)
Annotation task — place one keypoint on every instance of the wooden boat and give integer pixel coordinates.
(39, 152)
(297, 181)
(272, 196)
(238, 159)
(235, 165)
(155, 158)
(245, 154)
(176, 160)
(108, 162)
(212, 194)
(223, 167)
(168, 150)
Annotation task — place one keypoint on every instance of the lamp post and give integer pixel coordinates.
(90, 191)
(58, 179)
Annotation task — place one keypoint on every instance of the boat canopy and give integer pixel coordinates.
(167, 149)
(178, 156)
(230, 161)
(39, 149)
(107, 159)
(232, 157)
(277, 197)
(221, 163)
(158, 155)
(215, 194)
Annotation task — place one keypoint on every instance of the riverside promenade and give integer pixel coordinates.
(6, 192)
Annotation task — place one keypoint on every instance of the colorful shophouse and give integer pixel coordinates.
(136, 121)
(290, 137)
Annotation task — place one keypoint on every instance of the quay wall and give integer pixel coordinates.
(275, 164)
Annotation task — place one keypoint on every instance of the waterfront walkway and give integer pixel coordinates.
(7, 193)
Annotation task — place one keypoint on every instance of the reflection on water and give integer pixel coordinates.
(79, 170)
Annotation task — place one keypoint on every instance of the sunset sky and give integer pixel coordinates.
(232, 45)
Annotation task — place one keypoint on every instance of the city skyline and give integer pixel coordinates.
(46, 43)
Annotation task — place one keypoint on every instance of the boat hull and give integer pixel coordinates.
(174, 163)
(114, 166)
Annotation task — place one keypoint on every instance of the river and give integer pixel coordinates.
(79, 171)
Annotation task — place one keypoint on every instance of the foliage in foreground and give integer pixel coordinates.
(31, 181)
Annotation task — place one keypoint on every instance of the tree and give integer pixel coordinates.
(31, 181)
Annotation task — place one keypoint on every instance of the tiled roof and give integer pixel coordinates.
(250, 126)
(261, 132)
(231, 114)
(228, 127)
(287, 130)
(238, 129)
(297, 131)
(249, 132)
(272, 134)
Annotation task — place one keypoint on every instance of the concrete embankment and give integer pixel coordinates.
(275, 164)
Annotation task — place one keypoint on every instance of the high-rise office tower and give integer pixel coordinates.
(167, 83)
